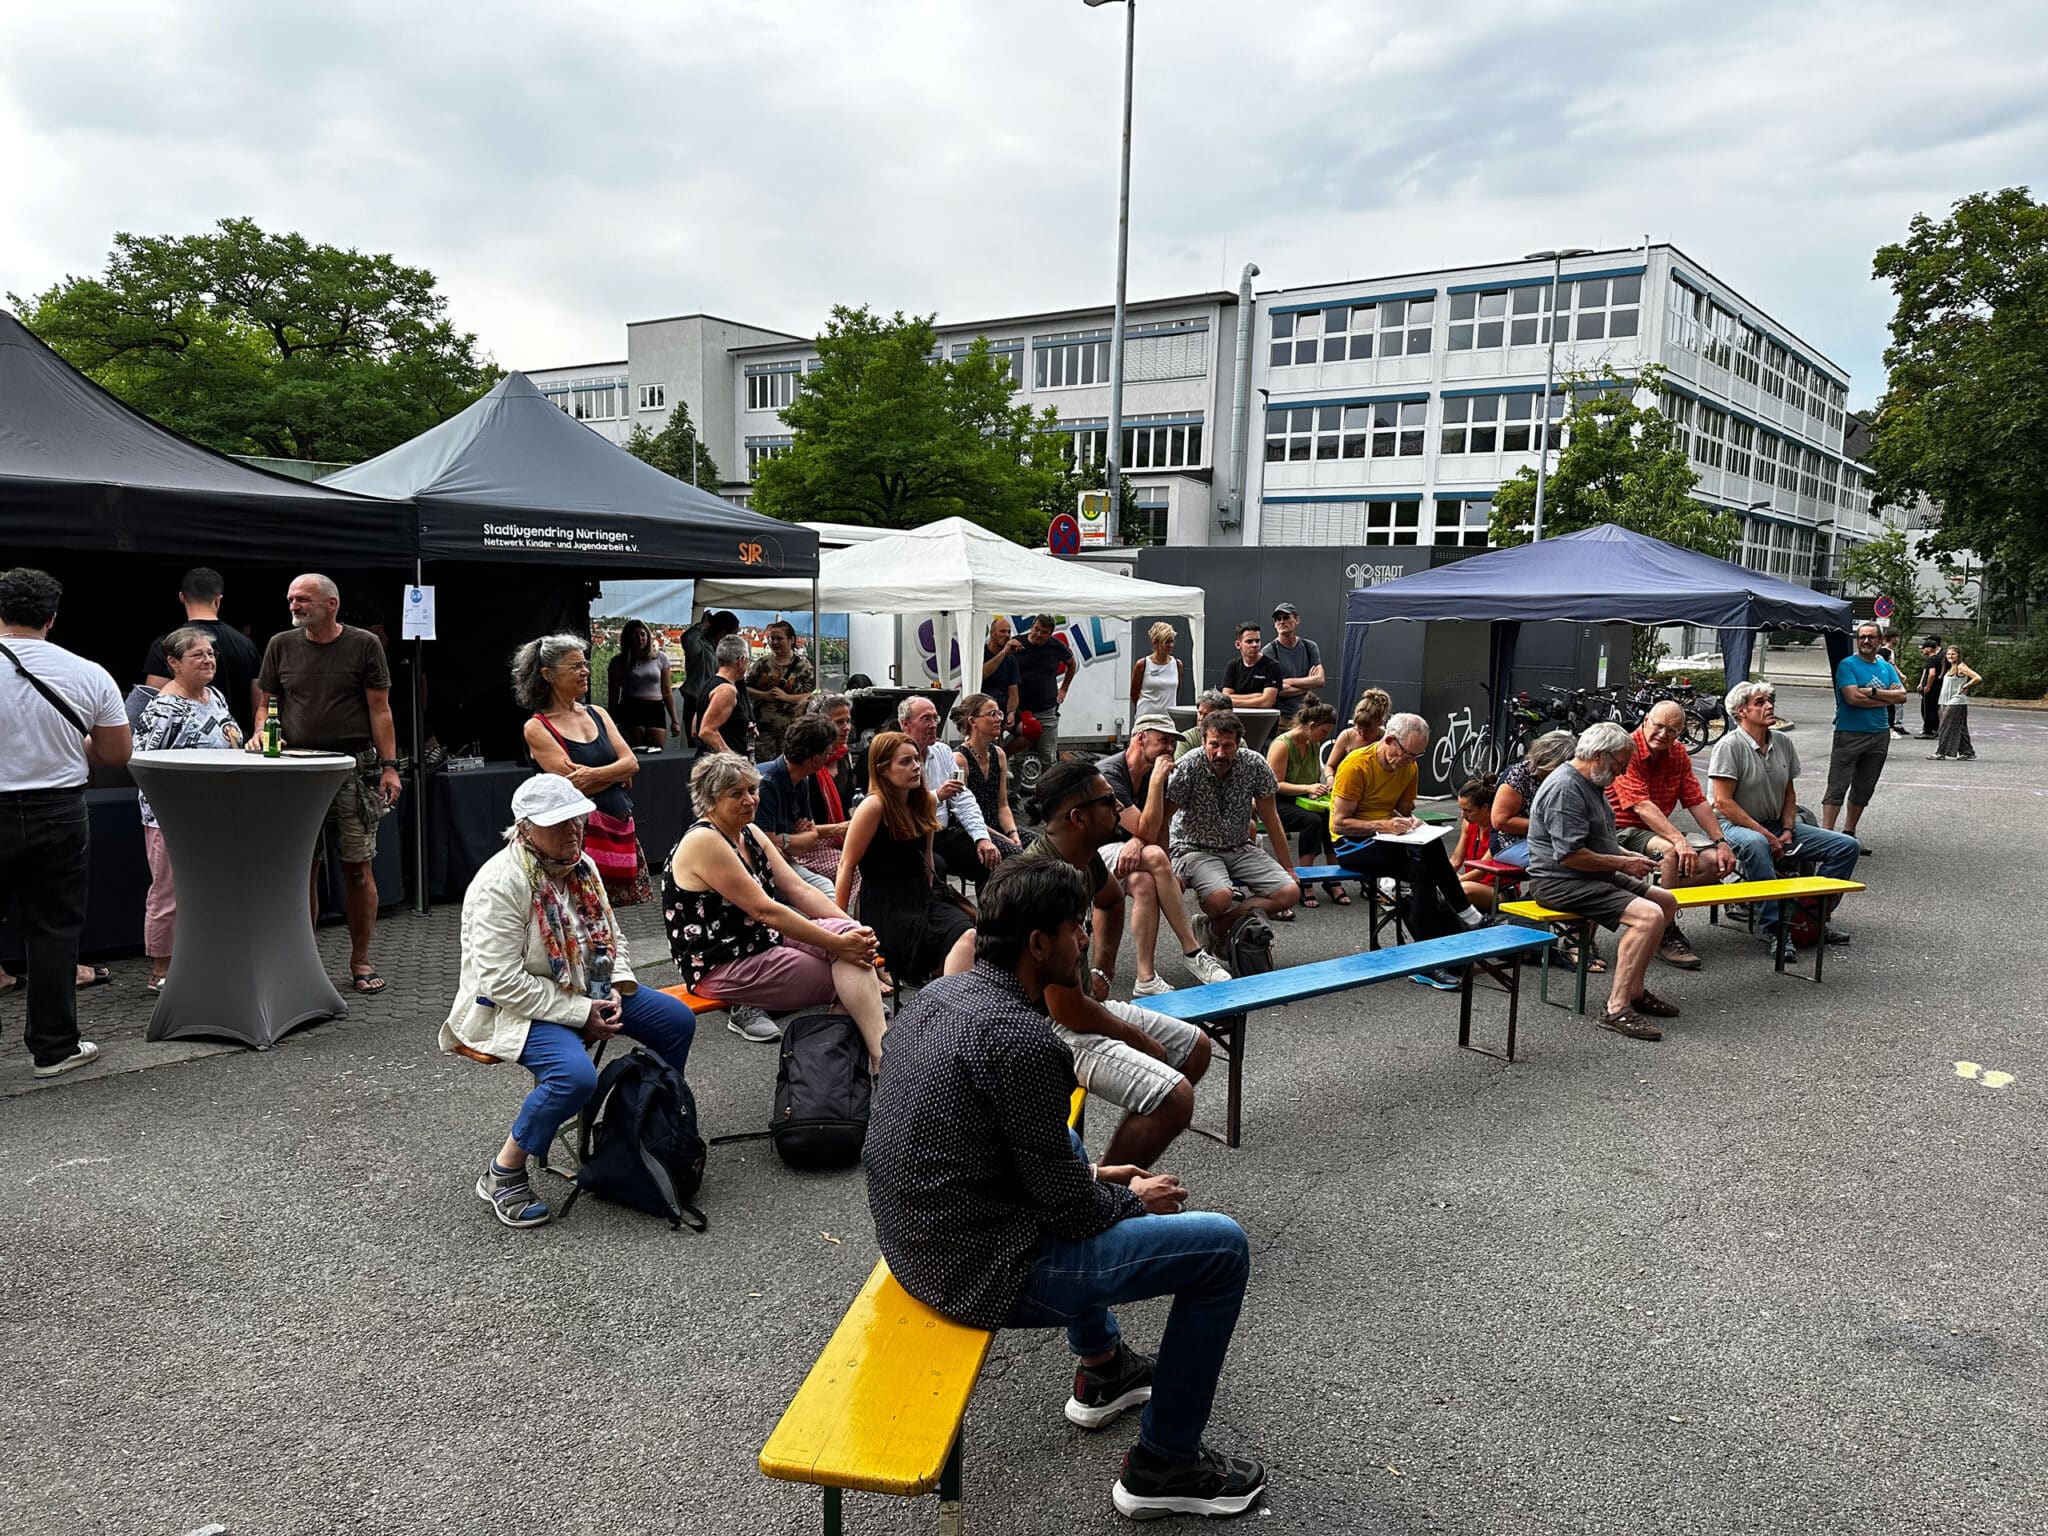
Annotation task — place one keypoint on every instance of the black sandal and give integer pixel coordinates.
(1338, 895)
(367, 983)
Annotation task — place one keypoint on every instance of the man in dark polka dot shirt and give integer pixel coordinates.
(989, 1212)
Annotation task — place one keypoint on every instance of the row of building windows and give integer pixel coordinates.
(592, 400)
(1719, 441)
(762, 449)
(1150, 442)
(1387, 430)
(1456, 524)
(770, 386)
(1590, 309)
(1351, 332)
(1697, 324)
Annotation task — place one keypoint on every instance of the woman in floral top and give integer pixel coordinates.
(188, 713)
(734, 940)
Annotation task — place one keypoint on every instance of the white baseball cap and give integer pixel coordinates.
(548, 800)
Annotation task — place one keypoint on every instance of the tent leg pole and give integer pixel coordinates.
(420, 904)
(817, 637)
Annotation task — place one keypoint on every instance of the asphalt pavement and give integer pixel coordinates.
(1781, 1272)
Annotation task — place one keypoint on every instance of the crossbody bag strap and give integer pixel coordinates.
(57, 700)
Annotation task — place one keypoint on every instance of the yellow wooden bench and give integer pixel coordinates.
(1739, 893)
(882, 1409)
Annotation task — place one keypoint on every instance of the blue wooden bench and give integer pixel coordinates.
(1222, 1007)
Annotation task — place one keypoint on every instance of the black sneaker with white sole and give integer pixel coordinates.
(1101, 1392)
(1211, 1483)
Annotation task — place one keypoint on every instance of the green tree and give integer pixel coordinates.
(257, 343)
(889, 433)
(1964, 417)
(1621, 463)
(672, 448)
(1884, 566)
(1093, 475)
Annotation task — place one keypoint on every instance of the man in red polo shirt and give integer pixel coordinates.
(1657, 782)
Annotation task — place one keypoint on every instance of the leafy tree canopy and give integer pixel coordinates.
(890, 434)
(257, 343)
(1621, 463)
(1964, 418)
(1884, 566)
(672, 449)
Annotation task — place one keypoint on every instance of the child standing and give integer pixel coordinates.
(1956, 683)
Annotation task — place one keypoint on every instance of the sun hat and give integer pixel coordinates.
(548, 800)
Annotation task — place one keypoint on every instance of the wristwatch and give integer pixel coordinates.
(784, 836)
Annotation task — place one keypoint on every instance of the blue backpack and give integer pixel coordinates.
(638, 1144)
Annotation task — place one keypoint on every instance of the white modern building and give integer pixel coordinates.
(1393, 408)
(1382, 411)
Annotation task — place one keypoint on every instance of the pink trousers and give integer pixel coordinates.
(160, 909)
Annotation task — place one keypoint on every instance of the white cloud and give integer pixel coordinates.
(567, 168)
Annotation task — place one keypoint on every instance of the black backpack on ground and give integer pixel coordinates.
(1249, 947)
(638, 1143)
(822, 1091)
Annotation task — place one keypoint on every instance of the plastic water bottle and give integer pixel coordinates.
(597, 977)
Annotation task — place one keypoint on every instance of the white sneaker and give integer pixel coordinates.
(1152, 988)
(752, 1024)
(86, 1054)
(1205, 967)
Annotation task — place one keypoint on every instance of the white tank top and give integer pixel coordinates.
(1160, 687)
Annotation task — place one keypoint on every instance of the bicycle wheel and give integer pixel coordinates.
(1694, 733)
(1480, 756)
(1440, 759)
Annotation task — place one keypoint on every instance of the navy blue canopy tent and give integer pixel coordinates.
(1598, 575)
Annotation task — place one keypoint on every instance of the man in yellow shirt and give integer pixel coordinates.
(1370, 799)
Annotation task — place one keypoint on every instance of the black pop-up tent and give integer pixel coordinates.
(513, 478)
(80, 470)
(1598, 575)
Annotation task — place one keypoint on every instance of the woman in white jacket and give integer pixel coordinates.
(543, 971)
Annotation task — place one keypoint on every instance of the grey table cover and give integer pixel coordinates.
(240, 830)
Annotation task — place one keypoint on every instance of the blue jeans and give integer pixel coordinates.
(1200, 1259)
(563, 1076)
(1514, 852)
(1837, 852)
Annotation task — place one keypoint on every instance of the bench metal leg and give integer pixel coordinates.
(949, 1492)
(1228, 1033)
(834, 1522)
(1507, 975)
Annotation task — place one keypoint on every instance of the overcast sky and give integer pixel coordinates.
(569, 167)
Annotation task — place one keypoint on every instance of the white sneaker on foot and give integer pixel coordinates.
(1205, 967)
(752, 1024)
(85, 1055)
(1151, 987)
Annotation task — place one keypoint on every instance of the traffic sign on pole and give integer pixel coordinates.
(1064, 536)
(1883, 607)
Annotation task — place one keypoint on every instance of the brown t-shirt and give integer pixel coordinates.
(319, 688)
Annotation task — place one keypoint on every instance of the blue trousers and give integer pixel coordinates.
(1837, 852)
(1200, 1259)
(563, 1077)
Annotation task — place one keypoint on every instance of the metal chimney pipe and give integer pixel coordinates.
(1240, 403)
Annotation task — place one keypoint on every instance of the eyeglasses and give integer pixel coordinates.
(1108, 799)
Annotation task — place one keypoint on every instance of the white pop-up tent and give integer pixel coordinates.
(963, 575)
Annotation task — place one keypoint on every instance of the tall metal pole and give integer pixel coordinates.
(421, 903)
(1123, 252)
(1543, 409)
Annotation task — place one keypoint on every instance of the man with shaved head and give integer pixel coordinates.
(1655, 785)
(333, 693)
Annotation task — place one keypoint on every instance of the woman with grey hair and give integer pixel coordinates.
(727, 723)
(744, 927)
(1547, 753)
(544, 971)
(188, 712)
(579, 741)
(1207, 702)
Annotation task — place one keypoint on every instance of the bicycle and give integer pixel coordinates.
(1460, 742)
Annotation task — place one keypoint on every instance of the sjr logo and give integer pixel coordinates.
(750, 554)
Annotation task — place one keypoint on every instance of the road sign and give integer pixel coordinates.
(1882, 607)
(1064, 536)
(1094, 515)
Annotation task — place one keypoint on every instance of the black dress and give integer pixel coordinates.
(984, 787)
(916, 923)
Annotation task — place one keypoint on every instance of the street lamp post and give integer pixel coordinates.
(1113, 476)
(1556, 260)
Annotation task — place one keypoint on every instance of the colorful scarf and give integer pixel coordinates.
(576, 933)
(835, 808)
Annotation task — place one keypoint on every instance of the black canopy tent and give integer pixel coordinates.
(513, 478)
(81, 471)
(1598, 575)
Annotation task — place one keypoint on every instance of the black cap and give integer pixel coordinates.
(1287, 608)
